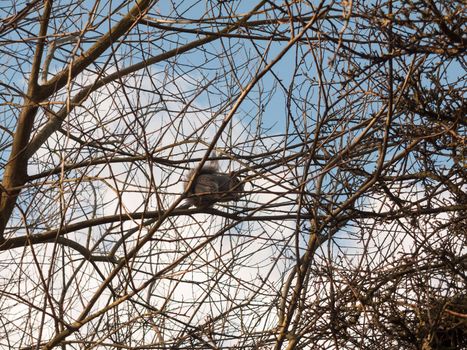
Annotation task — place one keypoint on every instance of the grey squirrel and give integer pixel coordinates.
(211, 186)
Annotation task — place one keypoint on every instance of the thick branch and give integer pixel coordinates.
(16, 169)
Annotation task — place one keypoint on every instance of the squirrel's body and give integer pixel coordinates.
(211, 186)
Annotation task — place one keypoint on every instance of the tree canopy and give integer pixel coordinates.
(345, 123)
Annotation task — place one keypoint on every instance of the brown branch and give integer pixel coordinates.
(56, 120)
(16, 169)
(88, 57)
